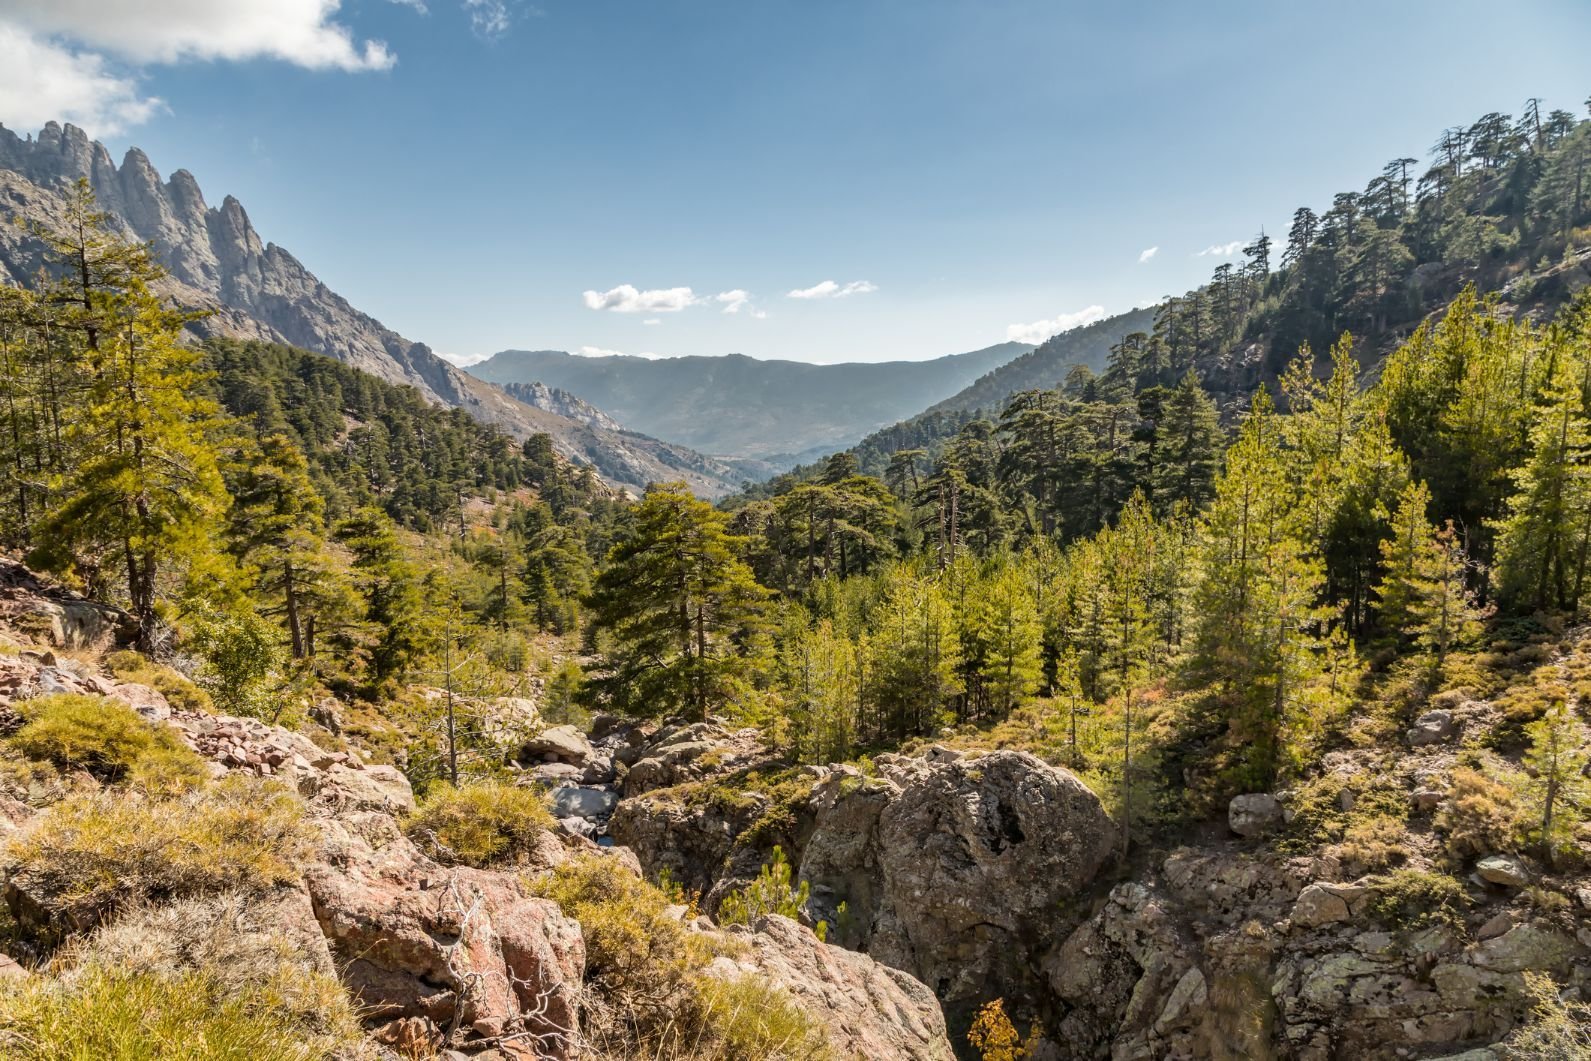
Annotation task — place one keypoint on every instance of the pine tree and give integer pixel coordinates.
(142, 477)
(1557, 761)
(1542, 543)
(1188, 441)
(914, 654)
(279, 532)
(1005, 621)
(389, 581)
(679, 611)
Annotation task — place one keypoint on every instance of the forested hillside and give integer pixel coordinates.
(1213, 702)
(1499, 204)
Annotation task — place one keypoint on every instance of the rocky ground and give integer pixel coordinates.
(943, 879)
(428, 952)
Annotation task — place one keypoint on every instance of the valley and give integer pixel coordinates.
(1206, 680)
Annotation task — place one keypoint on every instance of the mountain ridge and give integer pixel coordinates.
(737, 406)
(259, 290)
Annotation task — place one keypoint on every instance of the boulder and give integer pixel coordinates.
(574, 801)
(10, 970)
(1254, 814)
(975, 857)
(1325, 903)
(1504, 870)
(869, 1009)
(1433, 727)
(557, 744)
(457, 948)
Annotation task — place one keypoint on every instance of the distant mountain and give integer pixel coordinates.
(780, 412)
(1046, 365)
(260, 291)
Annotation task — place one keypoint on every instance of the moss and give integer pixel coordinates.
(483, 824)
(103, 736)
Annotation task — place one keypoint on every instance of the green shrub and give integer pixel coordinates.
(91, 854)
(103, 736)
(488, 823)
(243, 656)
(1481, 815)
(1414, 899)
(771, 893)
(1556, 1031)
(105, 1013)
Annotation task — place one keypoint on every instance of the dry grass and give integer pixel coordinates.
(482, 824)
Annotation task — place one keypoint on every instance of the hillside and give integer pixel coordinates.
(260, 291)
(736, 406)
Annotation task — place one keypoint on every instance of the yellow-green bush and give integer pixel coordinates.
(179, 690)
(105, 1013)
(1481, 816)
(90, 854)
(488, 823)
(745, 1019)
(103, 736)
(650, 996)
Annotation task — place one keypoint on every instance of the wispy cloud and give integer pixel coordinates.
(830, 289)
(733, 301)
(1039, 331)
(488, 18)
(1145, 255)
(598, 351)
(465, 360)
(1221, 250)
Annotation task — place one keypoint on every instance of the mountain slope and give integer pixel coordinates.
(737, 406)
(260, 291)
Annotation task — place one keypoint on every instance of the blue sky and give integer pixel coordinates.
(484, 174)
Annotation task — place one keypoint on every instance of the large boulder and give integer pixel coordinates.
(557, 744)
(977, 859)
(869, 1009)
(1254, 814)
(460, 951)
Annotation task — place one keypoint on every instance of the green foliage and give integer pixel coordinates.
(1559, 789)
(771, 893)
(101, 1012)
(1556, 1031)
(108, 739)
(488, 823)
(682, 616)
(243, 658)
(649, 993)
(1415, 899)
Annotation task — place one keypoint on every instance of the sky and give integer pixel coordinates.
(827, 180)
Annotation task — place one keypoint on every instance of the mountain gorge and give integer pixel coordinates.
(781, 412)
(258, 290)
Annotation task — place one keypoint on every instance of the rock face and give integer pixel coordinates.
(458, 948)
(873, 1010)
(218, 261)
(955, 870)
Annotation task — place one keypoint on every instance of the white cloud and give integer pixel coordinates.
(488, 18)
(627, 299)
(1144, 256)
(1039, 331)
(41, 81)
(652, 320)
(166, 31)
(733, 301)
(465, 360)
(830, 289)
(1221, 250)
(81, 60)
